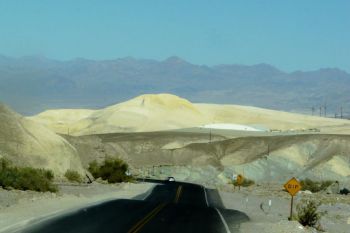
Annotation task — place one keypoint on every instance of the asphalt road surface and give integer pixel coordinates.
(172, 207)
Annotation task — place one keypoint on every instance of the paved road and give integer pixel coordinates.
(172, 207)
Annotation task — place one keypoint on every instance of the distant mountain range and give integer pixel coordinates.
(33, 84)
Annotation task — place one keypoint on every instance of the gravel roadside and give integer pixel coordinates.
(265, 218)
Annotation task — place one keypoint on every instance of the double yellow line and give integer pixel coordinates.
(137, 227)
(178, 193)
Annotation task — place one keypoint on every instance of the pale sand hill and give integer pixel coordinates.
(168, 112)
(27, 143)
(60, 120)
(143, 113)
(271, 119)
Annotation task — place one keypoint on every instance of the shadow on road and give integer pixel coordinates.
(170, 207)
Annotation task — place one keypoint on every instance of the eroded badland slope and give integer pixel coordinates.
(190, 156)
(27, 143)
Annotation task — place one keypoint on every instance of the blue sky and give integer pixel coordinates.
(292, 35)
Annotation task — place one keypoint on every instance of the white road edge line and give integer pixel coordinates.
(18, 227)
(148, 193)
(223, 221)
(206, 198)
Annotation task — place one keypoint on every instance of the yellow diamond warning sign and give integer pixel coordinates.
(292, 186)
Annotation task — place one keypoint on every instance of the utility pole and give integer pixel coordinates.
(210, 135)
(341, 112)
(268, 151)
(320, 110)
(325, 110)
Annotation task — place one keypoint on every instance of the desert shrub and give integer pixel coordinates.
(94, 169)
(25, 178)
(344, 191)
(49, 174)
(246, 182)
(4, 163)
(315, 186)
(307, 213)
(112, 170)
(73, 176)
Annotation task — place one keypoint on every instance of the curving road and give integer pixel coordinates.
(172, 207)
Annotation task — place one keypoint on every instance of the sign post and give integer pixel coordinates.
(293, 187)
(239, 181)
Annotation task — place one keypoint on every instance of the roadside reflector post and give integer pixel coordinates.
(293, 187)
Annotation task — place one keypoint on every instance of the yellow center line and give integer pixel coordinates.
(147, 218)
(178, 193)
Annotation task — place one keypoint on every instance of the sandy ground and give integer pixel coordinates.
(254, 201)
(18, 208)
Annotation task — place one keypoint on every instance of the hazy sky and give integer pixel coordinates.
(290, 34)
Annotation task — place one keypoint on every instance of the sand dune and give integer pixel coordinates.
(167, 112)
(27, 143)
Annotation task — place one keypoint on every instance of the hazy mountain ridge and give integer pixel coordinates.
(33, 84)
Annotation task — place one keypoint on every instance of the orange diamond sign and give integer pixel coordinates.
(292, 186)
